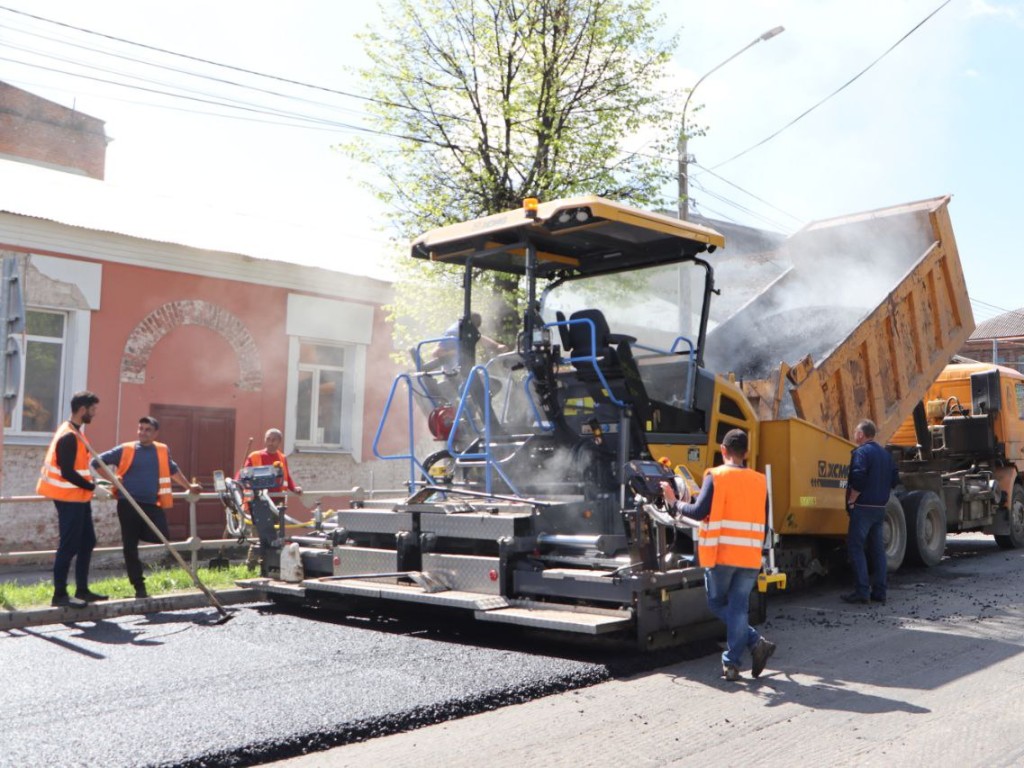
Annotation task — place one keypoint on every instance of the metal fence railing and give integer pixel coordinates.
(194, 543)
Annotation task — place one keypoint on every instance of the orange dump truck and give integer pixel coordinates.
(863, 324)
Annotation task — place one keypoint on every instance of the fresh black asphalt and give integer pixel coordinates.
(177, 689)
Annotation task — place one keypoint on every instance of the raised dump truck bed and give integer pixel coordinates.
(871, 310)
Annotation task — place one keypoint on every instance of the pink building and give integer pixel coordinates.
(218, 345)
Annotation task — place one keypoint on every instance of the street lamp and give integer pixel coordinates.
(684, 159)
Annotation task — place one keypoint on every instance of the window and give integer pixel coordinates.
(321, 415)
(43, 347)
(327, 345)
(1020, 400)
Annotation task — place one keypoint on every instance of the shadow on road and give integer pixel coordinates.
(779, 688)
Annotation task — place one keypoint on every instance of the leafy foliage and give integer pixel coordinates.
(493, 101)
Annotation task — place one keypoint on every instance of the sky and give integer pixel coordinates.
(939, 114)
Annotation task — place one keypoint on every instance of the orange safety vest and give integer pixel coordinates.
(733, 533)
(51, 484)
(163, 458)
(256, 460)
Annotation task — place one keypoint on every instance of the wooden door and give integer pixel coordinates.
(201, 441)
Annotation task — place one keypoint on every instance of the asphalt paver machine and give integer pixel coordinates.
(544, 507)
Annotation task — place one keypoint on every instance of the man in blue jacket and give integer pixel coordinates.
(872, 477)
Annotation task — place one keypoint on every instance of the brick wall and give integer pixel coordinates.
(42, 132)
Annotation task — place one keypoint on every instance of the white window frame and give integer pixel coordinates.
(347, 383)
(78, 306)
(23, 340)
(342, 324)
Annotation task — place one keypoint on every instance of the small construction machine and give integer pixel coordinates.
(542, 505)
(544, 508)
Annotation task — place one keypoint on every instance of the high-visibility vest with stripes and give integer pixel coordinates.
(51, 484)
(733, 533)
(163, 458)
(256, 460)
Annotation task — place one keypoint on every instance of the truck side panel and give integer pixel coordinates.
(881, 370)
(809, 470)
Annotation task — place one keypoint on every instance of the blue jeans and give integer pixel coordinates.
(77, 539)
(866, 532)
(729, 590)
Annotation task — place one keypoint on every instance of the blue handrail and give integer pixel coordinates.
(414, 463)
(538, 417)
(591, 358)
(691, 372)
(487, 455)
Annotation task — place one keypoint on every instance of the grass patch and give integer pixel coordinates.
(15, 597)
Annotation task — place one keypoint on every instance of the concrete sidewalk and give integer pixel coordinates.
(109, 609)
(106, 566)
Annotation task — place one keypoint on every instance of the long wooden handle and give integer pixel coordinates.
(152, 526)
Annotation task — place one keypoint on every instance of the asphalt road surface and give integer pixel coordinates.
(176, 688)
(936, 676)
(933, 678)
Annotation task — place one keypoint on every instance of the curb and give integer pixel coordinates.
(35, 617)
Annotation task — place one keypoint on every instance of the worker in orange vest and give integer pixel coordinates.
(732, 507)
(270, 455)
(66, 478)
(145, 469)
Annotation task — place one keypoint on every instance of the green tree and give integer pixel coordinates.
(493, 101)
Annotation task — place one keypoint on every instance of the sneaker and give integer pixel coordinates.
(89, 596)
(66, 601)
(854, 598)
(879, 600)
(731, 673)
(760, 653)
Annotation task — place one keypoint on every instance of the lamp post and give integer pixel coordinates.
(684, 158)
(684, 290)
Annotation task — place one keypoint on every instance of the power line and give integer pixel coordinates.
(719, 214)
(999, 311)
(155, 65)
(840, 88)
(286, 122)
(198, 59)
(798, 219)
(771, 222)
(693, 177)
(201, 100)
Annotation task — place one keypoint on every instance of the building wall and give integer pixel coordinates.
(40, 131)
(1008, 352)
(178, 338)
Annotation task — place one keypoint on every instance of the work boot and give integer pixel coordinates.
(730, 672)
(760, 653)
(64, 600)
(88, 596)
(141, 593)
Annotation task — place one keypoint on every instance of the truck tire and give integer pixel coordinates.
(894, 535)
(1015, 538)
(926, 527)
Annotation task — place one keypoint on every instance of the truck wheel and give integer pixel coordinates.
(894, 535)
(1015, 538)
(926, 527)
